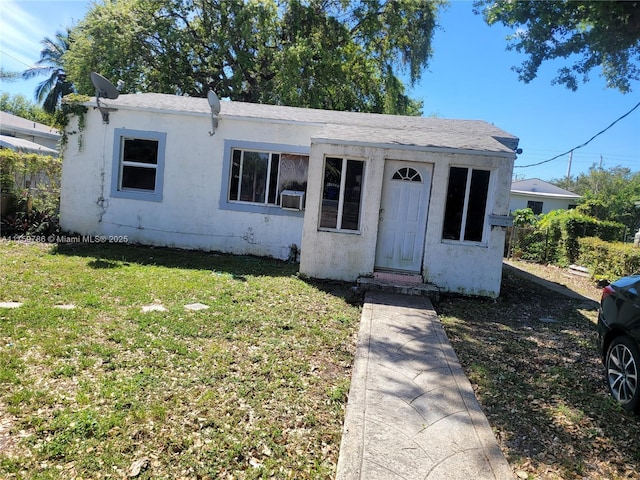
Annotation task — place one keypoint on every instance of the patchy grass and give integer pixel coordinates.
(533, 361)
(253, 387)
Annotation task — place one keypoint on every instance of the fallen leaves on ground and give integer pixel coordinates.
(533, 361)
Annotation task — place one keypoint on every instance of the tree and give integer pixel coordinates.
(8, 76)
(603, 34)
(524, 217)
(55, 86)
(334, 54)
(612, 194)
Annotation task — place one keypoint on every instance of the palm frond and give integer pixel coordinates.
(53, 98)
(51, 101)
(49, 64)
(36, 71)
(44, 87)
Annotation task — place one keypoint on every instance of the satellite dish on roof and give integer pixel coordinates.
(104, 89)
(214, 103)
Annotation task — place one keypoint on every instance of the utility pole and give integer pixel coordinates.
(569, 168)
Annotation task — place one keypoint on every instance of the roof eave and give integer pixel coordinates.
(422, 148)
(542, 194)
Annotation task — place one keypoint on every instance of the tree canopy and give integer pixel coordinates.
(603, 34)
(334, 54)
(612, 194)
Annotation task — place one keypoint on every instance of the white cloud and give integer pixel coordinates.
(22, 32)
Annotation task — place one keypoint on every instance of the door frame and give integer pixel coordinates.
(391, 166)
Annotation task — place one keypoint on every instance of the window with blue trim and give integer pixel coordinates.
(138, 167)
(261, 176)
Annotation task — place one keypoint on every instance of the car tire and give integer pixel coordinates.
(622, 363)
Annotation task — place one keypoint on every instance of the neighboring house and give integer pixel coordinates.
(26, 136)
(22, 135)
(540, 196)
(355, 193)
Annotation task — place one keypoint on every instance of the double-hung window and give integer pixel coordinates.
(261, 176)
(467, 195)
(138, 164)
(341, 194)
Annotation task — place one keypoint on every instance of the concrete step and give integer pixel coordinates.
(399, 283)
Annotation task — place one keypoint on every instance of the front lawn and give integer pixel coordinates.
(93, 387)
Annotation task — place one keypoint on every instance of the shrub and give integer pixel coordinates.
(566, 227)
(16, 167)
(608, 260)
(29, 211)
(35, 223)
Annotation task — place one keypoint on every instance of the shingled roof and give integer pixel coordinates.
(12, 124)
(14, 129)
(537, 187)
(343, 127)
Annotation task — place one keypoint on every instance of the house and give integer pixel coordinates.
(540, 196)
(25, 136)
(22, 135)
(353, 193)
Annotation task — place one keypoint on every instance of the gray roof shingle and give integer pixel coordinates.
(13, 124)
(535, 186)
(356, 127)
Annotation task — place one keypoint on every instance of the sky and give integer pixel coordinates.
(468, 77)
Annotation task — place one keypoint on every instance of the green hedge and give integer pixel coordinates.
(579, 227)
(13, 164)
(565, 229)
(610, 260)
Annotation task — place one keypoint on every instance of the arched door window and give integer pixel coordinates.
(407, 174)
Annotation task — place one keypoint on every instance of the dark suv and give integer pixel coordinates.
(619, 333)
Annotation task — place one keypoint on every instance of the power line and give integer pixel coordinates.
(15, 58)
(584, 144)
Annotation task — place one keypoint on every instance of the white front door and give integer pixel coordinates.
(403, 216)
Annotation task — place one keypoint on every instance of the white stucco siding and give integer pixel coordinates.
(518, 202)
(466, 269)
(191, 213)
(452, 266)
(463, 267)
(342, 255)
(82, 181)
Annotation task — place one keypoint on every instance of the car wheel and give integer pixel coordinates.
(622, 362)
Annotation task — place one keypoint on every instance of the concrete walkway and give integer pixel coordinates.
(412, 413)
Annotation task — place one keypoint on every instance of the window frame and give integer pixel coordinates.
(341, 194)
(465, 207)
(535, 205)
(241, 168)
(227, 164)
(118, 164)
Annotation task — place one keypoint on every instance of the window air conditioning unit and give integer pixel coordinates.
(292, 200)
